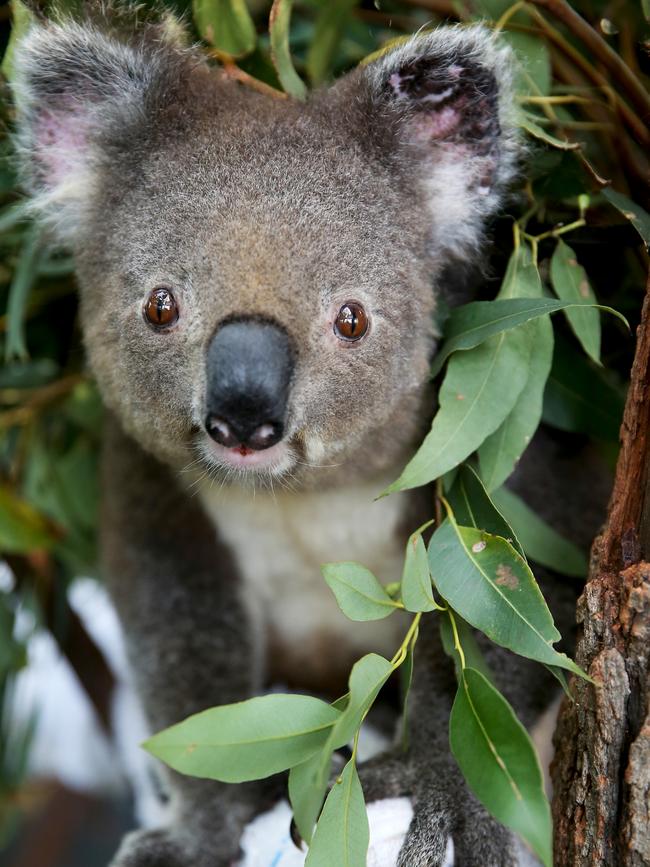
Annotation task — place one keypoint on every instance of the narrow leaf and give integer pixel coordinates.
(570, 283)
(473, 507)
(22, 528)
(633, 212)
(499, 454)
(249, 740)
(417, 592)
(479, 390)
(533, 129)
(280, 51)
(330, 24)
(491, 586)
(470, 325)
(22, 283)
(226, 24)
(541, 542)
(342, 834)
(305, 793)
(499, 763)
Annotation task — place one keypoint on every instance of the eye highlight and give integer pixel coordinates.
(351, 321)
(160, 308)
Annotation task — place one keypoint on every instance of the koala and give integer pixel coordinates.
(258, 280)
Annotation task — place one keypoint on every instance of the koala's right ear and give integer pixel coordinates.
(78, 91)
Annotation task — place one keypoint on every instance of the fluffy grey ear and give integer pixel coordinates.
(78, 90)
(442, 103)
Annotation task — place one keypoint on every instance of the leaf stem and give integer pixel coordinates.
(457, 644)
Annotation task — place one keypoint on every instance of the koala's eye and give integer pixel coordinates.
(161, 309)
(351, 321)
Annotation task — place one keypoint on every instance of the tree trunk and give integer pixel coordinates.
(601, 771)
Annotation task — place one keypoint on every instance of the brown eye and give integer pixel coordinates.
(351, 321)
(160, 309)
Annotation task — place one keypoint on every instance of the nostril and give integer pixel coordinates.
(221, 431)
(265, 436)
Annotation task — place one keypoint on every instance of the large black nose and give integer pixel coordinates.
(249, 372)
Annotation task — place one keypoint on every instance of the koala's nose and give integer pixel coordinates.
(249, 367)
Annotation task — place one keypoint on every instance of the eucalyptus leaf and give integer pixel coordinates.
(580, 398)
(330, 24)
(533, 63)
(342, 834)
(541, 542)
(280, 52)
(471, 651)
(22, 528)
(479, 390)
(367, 677)
(483, 578)
(249, 740)
(472, 324)
(499, 454)
(359, 594)
(22, 18)
(570, 283)
(306, 794)
(527, 123)
(225, 24)
(22, 284)
(473, 507)
(499, 763)
(633, 212)
(417, 592)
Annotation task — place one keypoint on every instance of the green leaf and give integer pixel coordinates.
(541, 542)
(367, 677)
(280, 51)
(499, 763)
(579, 397)
(500, 452)
(22, 528)
(406, 680)
(306, 794)
(479, 390)
(470, 325)
(639, 218)
(527, 123)
(359, 594)
(326, 41)
(22, 19)
(570, 283)
(225, 24)
(22, 283)
(471, 651)
(417, 592)
(473, 507)
(342, 834)
(249, 740)
(533, 63)
(483, 578)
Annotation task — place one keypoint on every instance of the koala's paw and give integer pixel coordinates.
(162, 848)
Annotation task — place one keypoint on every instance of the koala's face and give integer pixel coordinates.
(257, 275)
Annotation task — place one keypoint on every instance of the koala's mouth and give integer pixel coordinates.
(275, 460)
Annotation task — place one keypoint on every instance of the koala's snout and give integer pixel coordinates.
(249, 367)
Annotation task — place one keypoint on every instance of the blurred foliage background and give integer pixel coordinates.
(584, 103)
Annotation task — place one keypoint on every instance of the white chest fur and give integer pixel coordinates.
(280, 542)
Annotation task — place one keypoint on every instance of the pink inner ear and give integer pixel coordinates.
(61, 143)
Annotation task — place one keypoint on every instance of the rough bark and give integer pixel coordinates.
(601, 771)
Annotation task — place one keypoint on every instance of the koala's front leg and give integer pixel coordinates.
(189, 643)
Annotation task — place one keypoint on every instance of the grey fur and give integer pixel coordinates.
(156, 170)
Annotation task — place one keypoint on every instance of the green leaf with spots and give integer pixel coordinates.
(498, 761)
(249, 740)
(492, 587)
(342, 834)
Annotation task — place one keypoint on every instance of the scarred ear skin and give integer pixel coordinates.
(440, 108)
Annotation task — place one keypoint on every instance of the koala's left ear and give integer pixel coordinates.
(440, 108)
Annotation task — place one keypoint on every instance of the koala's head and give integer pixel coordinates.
(258, 275)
